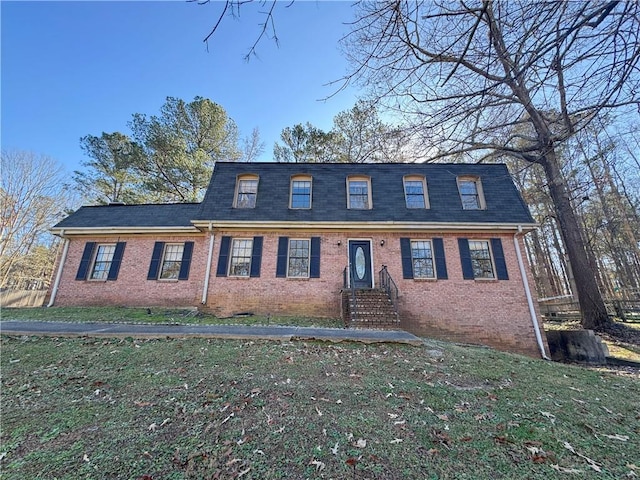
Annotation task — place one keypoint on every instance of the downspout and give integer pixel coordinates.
(56, 282)
(527, 291)
(205, 289)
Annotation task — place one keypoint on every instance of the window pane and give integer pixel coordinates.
(414, 194)
(301, 194)
(172, 261)
(481, 259)
(240, 264)
(247, 192)
(298, 258)
(422, 258)
(102, 262)
(469, 195)
(358, 194)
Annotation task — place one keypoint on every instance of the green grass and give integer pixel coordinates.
(177, 409)
(156, 315)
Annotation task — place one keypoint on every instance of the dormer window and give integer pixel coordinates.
(359, 193)
(300, 192)
(246, 191)
(470, 189)
(415, 192)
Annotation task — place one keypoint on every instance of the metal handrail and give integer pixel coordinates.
(388, 285)
(347, 274)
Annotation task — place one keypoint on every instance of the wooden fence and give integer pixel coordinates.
(22, 298)
(568, 309)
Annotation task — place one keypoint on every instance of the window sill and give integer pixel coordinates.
(425, 279)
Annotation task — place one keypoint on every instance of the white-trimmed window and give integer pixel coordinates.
(246, 191)
(470, 189)
(300, 192)
(171, 261)
(102, 262)
(415, 192)
(422, 259)
(359, 193)
(240, 261)
(481, 261)
(298, 261)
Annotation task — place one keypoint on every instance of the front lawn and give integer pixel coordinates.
(174, 409)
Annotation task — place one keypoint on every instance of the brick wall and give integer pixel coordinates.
(488, 312)
(132, 287)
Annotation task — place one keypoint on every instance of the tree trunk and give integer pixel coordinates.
(594, 312)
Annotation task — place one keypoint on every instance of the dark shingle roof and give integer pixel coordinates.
(504, 203)
(128, 216)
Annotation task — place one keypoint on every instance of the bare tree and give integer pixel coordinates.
(252, 147)
(32, 199)
(505, 77)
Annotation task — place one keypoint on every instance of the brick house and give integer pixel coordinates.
(435, 249)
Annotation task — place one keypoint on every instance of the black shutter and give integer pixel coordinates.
(498, 258)
(314, 267)
(405, 252)
(256, 257)
(465, 259)
(441, 263)
(281, 266)
(156, 258)
(187, 251)
(223, 258)
(116, 261)
(87, 256)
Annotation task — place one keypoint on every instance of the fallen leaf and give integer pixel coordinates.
(334, 450)
(152, 427)
(591, 463)
(319, 412)
(622, 438)
(443, 417)
(319, 465)
(351, 462)
(397, 440)
(85, 458)
(558, 468)
(361, 443)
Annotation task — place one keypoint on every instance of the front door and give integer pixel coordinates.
(360, 263)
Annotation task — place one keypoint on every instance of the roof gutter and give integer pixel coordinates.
(61, 232)
(527, 291)
(365, 226)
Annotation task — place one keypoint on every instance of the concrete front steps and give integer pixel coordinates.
(371, 308)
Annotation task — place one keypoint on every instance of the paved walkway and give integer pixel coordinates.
(69, 329)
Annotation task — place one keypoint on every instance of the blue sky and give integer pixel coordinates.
(71, 69)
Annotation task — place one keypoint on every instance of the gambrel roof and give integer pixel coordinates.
(504, 205)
